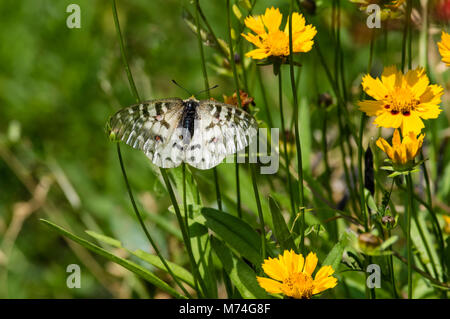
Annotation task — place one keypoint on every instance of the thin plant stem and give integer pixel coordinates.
(264, 95)
(406, 29)
(136, 96)
(253, 168)
(186, 239)
(364, 210)
(408, 231)
(123, 53)
(141, 222)
(205, 79)
(297, 133)
(163, 172)
(408, 12)
(390, 261)
(285, 151)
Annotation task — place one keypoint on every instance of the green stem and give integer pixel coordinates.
(123, 53)
(141, 222)
(205, 79)
(264, 95)
(406, 28)
(297, 133)
(408, 11)
(136, 96)
(285, 151)
(186, 239)
(408, 231)
(253, 167)
(390, 261)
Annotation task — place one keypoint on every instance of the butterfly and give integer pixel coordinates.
(171, 131)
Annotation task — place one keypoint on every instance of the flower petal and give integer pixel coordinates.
(391, 77)
(385, 147)
(274, 268)
(387, 119)
(417, 80)
(310, 263)
(412, 123)
(272, 19)
(374, 87)
(255, 24)
(370, 107)
(257, 54)
(270, 285)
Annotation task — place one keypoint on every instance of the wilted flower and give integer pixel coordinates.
(292, 275)
(246, 100)
(389, 9)
(444, 48)
(369, 241)
(271, 41)
(401, 101)
(402, 153)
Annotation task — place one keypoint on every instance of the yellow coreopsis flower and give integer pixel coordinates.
(271, 41)
(444, 48)
(402, 152)
(401, 101)
(292, 275)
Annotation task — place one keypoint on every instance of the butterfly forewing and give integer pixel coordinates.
(222, 129)
(150, 127)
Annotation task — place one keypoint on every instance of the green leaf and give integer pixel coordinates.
(154, 260)
(280, 229)
(390, 241)
(334, 257)
(105, 239)
(135, 268)
(241, 275)
(236, 233)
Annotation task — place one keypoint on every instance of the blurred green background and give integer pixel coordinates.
(58, 86)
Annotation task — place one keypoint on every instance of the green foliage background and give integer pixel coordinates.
(58, 86)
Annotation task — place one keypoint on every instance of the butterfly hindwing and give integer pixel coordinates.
(150, 127)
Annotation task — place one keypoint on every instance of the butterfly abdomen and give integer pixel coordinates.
(188, 120)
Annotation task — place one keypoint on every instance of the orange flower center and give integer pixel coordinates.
(402, 100)
(277, 43)
(298, 285)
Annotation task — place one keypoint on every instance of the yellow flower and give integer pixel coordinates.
(401, 101)
(444, 48)
(447, 224)
(292, 275)
(271, 41)
(402, 152)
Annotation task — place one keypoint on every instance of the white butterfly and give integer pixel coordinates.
(171, 131)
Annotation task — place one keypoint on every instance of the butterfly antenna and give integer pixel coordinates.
(175, 82)
(213, 87)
